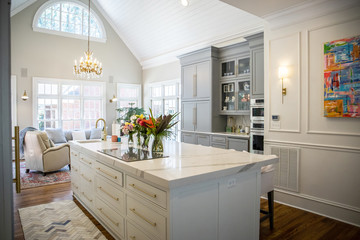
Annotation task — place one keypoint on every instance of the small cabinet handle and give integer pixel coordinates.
(113, 222)
(142, 190)
(132, 237)
(115, 198)
(194, 116)
(85, 161)
(86, 197)
(105, 172)
(194, 85)
(144, 218)
(87, 179)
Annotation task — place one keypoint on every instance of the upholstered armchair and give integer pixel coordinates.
(42, 155)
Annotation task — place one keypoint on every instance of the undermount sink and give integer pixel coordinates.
(88, 141)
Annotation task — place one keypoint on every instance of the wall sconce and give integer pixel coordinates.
(114, 99)
(24, 97)
(283, 73)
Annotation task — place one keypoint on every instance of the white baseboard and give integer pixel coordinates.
(343, 213)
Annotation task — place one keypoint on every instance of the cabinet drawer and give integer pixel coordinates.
(113, 196)
(109, 173)
(149, 192)
(86, 160)
(218, 145)
(87, 196)
(238, 144)
(86, 177)
(74, 155)
(188, 138)
(218, 139)
(113, 220)
(148, 219)
(203, 140)
(75, 185)
(133, 233)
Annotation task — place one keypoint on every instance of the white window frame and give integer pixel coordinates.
(66, 34)
(162, 98)
(59, 97)
(128, 85)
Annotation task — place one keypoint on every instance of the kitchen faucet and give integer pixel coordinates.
(104, 133)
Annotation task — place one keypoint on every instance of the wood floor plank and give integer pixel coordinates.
(289, 223)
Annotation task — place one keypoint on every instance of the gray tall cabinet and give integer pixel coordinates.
(199, 93)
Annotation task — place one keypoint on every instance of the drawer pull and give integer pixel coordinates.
(113, 222)
(144, 218)
(75, 169)
(88, 162)
(142, 190)
(132, 237)
(75, 186)
(87, 179)
(105, 172)
(86, 197)
(115, 198)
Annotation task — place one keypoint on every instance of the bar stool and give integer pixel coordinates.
(267, 187)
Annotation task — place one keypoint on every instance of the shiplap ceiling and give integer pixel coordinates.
(156, 31)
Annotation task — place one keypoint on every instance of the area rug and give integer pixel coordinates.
(36, 179)
(57, 220)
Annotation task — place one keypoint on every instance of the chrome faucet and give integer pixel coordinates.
(104, 133)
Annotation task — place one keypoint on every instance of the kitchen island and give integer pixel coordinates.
(195, 192)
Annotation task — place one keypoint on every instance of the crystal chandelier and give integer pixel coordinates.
(88, 67)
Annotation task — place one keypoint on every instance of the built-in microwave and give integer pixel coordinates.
(257, 113)
(257, 126)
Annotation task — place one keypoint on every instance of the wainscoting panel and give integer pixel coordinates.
(287, 171)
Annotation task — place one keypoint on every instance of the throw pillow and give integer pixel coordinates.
(95, 133)
(56, 135)
(45, 139)
(78, 135)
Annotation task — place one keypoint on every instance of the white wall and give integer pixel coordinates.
(329, 166)
(166, 72)
(46, 55)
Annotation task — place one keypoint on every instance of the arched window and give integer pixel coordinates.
(68, 18)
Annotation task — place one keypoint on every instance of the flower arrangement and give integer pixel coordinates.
(159, 128)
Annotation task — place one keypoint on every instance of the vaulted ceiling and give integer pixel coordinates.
(156, 31)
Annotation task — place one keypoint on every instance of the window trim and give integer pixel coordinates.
(132, 85)
(59, 96)
(66, 34)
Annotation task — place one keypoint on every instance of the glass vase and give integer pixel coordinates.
(130, 139)
(138, 139)
(157, 144)
(145, 142)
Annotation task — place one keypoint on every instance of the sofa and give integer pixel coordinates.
(58, 136)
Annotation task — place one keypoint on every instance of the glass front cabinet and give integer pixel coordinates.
(235, 97)
(239, 67)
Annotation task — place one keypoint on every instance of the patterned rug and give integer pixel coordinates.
(57, 220)
(36, 179)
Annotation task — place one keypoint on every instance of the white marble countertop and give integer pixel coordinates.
(186, 164)
(226, 134)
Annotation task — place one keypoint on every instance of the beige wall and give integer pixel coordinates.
(166, 72)
(47, 55)
(329, 148)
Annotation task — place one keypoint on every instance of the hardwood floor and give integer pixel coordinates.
(289, 223)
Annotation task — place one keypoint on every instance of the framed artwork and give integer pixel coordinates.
(342, 78)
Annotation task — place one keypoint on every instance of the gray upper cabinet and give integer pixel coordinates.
(256, 45)
(257, 73)
(200, 97)
(196, 81)
(188, 75)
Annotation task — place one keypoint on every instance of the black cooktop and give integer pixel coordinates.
(132, 154)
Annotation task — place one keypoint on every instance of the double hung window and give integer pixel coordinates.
(128, 95)
(71, 105)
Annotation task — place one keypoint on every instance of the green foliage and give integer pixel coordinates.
(126, 112)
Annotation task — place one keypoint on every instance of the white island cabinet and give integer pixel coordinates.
(196, 192)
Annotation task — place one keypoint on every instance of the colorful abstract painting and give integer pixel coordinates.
(342, 78)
